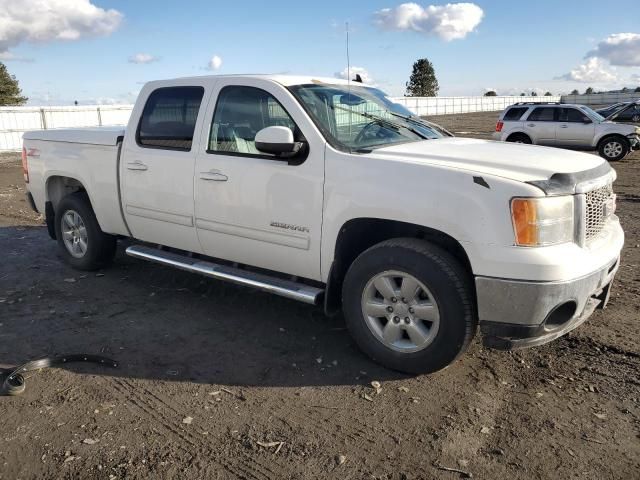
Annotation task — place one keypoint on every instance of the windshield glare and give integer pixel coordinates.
(356, 118)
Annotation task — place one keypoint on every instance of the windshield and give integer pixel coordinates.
(358, 118)
(593, 115)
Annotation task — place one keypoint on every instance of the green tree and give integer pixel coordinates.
(10, 93)
(625, 90)
(637, 90)
(548, 94)
(575, 92)
(534, 94)
(588, 91)
(523, 94)
(423, 81)
(491, 93)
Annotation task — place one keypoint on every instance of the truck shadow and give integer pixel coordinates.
(164, 324)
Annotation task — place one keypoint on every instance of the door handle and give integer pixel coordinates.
(213, 176)
(136, 166)
(531, 124)
(564, 126)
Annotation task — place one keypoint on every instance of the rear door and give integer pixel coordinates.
(252, 207)
(540, 125)
(157, 165)
(574, 128)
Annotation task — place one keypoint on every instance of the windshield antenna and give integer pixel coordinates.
(348, 78)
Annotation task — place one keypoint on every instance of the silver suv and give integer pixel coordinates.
(568, 126)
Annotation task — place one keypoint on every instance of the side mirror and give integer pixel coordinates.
(277, 141)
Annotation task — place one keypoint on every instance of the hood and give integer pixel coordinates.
(524, 163)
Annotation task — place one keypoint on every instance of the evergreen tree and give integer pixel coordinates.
(423, 81)
(491, 93)
(588, 91)
(10, 93)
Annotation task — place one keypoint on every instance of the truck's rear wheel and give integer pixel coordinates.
(408, 305)
(84, 245)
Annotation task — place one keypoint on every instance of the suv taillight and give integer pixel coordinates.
(25, 165)
(499, 126)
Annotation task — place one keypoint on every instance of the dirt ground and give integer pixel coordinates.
(217, 381)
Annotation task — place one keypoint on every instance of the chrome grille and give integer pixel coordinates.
(595, 215)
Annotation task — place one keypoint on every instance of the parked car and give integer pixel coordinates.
(611, 109)
(567, 126)
(326, 192)
(627, 113)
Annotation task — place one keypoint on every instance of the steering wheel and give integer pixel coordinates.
(365, 134)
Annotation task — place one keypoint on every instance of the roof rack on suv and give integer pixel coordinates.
(537, 103)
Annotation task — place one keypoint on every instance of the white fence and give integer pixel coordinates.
(601, 98)
(424, 106)
(14, 121)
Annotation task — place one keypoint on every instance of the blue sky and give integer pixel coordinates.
(516, 46)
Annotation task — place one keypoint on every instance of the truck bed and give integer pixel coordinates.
(61, 159)
(91, 136)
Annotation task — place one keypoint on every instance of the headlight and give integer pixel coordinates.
(542, 221)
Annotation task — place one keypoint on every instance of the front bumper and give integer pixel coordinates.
(517, 314)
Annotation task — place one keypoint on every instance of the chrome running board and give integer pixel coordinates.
(284, 288)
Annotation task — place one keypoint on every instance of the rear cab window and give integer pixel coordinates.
(514, 114)
(169, 117)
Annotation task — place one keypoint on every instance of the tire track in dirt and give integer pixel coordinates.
(140, 396)
(129, 395)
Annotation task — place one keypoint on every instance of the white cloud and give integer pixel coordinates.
(47, 20)
(364, 74)
(621, 49)
(448, 22)
(10, 57)
(593, 70)
(142, 58)
(215, 63)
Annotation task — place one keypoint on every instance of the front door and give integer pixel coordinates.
(253, 207)
(574, 129)
(157, 165)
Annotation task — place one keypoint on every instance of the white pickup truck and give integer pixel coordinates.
(326, 192)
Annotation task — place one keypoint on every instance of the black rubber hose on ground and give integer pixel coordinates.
(14, 383)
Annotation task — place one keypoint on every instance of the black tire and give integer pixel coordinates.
(101, 247)
(615, 143)
(519, 138)
(447, 281)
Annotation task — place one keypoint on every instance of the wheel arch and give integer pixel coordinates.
(58, 186)
(359, 234)
(518, 134)
(607, 136)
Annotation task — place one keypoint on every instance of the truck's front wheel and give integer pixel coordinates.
(408, 305)
(84, 245)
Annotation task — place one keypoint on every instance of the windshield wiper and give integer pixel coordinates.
(384, 121)
(419, 121)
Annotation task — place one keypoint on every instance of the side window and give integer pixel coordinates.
(240, 113)
(169, 118)
(542, 114)
(572, 115)
(514, 114)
